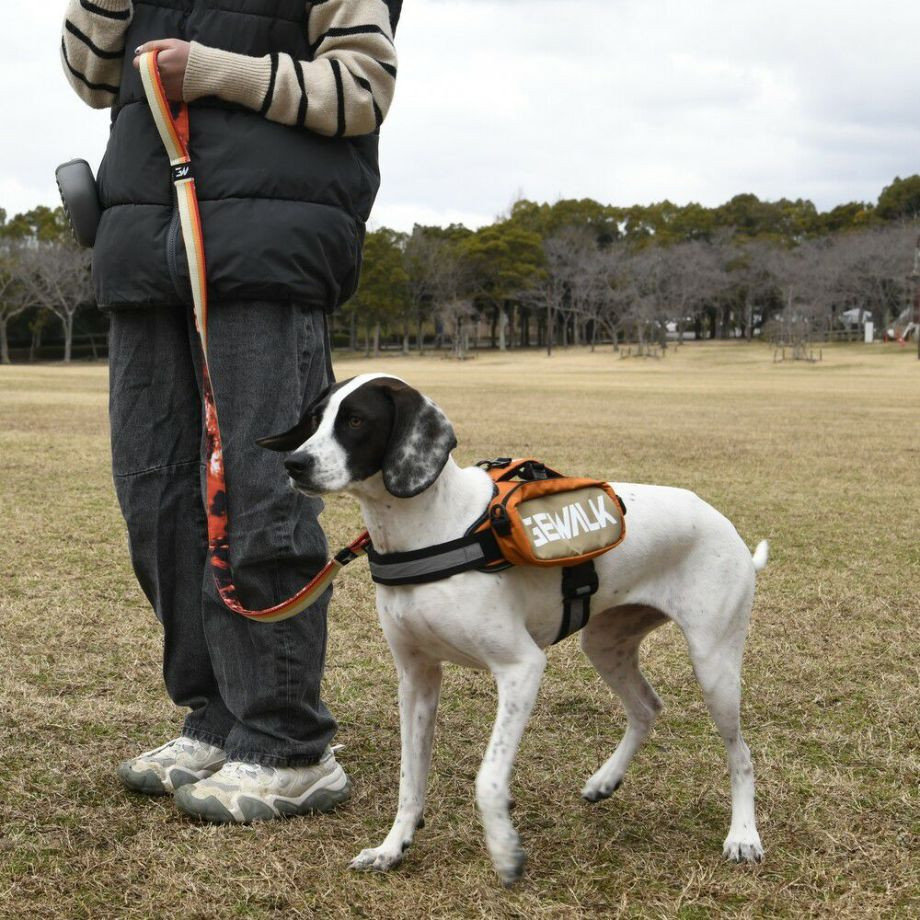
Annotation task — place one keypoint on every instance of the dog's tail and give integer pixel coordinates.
(761, 555)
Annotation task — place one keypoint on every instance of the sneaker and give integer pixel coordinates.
(172, 765)
(244, 792)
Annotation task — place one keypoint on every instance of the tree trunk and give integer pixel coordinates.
(353, 331)
(377, 340)
(405, 345)
(502, 320)
(420, 338)
(4, 343)
(550, 331)
(367, 340)
(67, 322)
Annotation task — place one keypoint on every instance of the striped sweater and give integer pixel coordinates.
(345, 90)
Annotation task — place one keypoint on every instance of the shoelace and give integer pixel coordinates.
(246, 770)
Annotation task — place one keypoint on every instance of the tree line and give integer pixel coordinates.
(548, 275)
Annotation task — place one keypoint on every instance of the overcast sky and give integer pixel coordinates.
(624, 101)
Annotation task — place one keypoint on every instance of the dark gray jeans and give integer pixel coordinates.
(253, 688)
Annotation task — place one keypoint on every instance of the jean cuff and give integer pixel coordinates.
(198, 735)
(274, 760)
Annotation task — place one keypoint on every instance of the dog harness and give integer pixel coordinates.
(536, 517)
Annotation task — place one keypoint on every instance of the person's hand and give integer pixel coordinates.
(171, 61)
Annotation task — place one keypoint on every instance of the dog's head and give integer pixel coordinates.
(363, 426)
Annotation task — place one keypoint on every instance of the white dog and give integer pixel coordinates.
(380, 440)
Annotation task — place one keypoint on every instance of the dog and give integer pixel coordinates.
(389, 446)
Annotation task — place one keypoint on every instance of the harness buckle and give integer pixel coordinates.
(533, 470)
(499, 463)
(498, 518)
(579, 581)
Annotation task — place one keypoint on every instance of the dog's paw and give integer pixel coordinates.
(743, 850)
(377, 859)
(508, 856)
(596, 792)
(510, 866)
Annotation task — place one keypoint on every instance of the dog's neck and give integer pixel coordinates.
(444, 511)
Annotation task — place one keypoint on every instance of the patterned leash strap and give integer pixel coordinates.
(174, 132)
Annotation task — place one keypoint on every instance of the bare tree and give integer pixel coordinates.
(621, 299)
(749, 274)
(434, 271)
(57, 277)
(675, 280)
(872, 269)
(571, 283)
(457, 315)
(14, 297)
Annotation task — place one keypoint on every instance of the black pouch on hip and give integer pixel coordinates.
(80, 196)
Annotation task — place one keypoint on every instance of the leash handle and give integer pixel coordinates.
(174, 133)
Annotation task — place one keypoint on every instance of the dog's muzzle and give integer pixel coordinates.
(300, 467)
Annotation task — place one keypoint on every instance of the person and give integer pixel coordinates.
(286, 101)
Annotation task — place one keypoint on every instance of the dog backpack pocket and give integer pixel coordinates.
(540, 517)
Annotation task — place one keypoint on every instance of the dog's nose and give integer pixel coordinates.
(298, 464)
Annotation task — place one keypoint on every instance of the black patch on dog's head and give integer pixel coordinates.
(420, 442)
(362, 427)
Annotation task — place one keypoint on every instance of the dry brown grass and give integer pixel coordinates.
(822, 459)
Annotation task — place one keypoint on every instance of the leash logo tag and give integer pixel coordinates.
(182, 171)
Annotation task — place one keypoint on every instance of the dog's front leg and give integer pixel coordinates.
(419, 687)
(518, 682)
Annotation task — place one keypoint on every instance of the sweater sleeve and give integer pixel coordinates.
(345, 90)
(93, 48)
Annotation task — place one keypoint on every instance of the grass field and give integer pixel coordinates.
(823, 460)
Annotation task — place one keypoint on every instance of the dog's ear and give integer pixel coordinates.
(420, 442)
(291, 439)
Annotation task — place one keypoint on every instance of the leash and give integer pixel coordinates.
(174, 132)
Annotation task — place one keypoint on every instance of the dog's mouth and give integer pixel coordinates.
(304, 488)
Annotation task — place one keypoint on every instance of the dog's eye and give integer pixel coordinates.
(355, 421)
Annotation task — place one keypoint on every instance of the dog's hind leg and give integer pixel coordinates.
(518, 681)
(611, 641)
(716, 655)
(419, 687)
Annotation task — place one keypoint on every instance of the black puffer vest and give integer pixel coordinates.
(283, 209)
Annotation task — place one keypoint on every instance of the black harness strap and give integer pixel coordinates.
(432, 563)
(579, 582)
(475, 551)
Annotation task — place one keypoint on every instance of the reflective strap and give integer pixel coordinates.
(174, 133)
(575, 616)
(432, 563)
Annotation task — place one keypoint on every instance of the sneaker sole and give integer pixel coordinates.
(149, 782)
(210, 808)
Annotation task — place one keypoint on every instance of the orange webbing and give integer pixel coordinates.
(174, 132)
